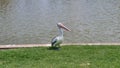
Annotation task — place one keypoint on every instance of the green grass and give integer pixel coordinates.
(66, 57)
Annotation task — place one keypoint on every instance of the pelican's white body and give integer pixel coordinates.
(57, 41)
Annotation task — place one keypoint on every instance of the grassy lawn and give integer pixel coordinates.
(66, 57)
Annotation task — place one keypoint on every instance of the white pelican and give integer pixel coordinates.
(56, 41)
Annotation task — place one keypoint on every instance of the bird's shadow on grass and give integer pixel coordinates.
(53, 48)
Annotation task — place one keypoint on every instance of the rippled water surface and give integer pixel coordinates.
(34, 21)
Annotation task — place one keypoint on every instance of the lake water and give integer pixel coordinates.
(34, 21)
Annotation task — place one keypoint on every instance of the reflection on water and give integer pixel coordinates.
(3, 7)
(30, 21)
(3, 4)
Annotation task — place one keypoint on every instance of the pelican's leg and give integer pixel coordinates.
(53, 45)
(58, 45)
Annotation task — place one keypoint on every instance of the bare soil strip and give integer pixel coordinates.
(11, 46)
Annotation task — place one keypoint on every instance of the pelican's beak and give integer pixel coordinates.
(64, 27)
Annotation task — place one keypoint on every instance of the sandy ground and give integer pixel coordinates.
(47, 45)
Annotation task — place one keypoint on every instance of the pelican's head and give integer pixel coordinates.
(60, 25)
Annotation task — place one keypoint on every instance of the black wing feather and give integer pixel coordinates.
(54, 40)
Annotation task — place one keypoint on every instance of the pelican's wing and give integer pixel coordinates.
(54, 40)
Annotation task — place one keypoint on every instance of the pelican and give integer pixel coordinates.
(56, 41)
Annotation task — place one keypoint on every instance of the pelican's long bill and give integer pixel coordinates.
(64, 27)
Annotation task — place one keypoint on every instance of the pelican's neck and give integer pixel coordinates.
(60, 32)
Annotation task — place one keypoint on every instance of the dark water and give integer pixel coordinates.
(34, 21)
